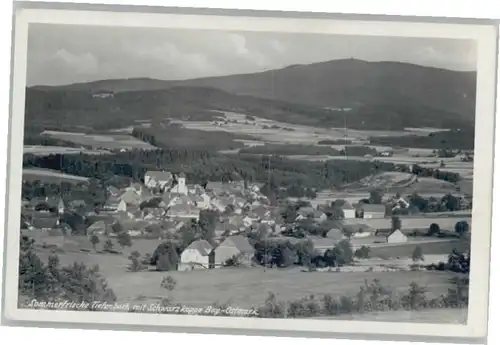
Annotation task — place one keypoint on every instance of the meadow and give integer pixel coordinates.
(101, 141)
(243, 287)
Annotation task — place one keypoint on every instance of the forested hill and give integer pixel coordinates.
(380, 106)
(394, 89)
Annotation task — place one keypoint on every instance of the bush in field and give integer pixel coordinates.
(417, 254)
(94, 239)
(136, 264)
(362, 253)
(124, 239)
(108, 245)
(433, 229)
(168, 283)
(462, 227)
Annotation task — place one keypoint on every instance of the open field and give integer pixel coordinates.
(404, 183)
(52, 150)
(50, 176)
(243, 287)
(445, 315)
(270, 131)
(239, 287)
(101, 141)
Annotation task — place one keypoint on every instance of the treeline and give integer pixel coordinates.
(435, 173)
(93, 193)
(370, 297)
(334, 142)
(200, 166)
(455, 139)
(309, 150)
(285, 254)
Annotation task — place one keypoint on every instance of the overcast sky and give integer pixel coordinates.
(67, 54)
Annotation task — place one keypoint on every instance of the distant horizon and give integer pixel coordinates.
(249, 73)
(67, 54)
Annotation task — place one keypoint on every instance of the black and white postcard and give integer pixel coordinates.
(253, 173)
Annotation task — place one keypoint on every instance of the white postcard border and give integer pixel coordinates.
(484, 35)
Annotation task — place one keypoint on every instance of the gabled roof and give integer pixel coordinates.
(397, 232)
(159, 175)
(239, 242)
(100, 224)
(130, 197)
(201, 246)
(346, 206)
(373, 208)
(318, 214)
(113, 190)
(44, 222)
(183, 209)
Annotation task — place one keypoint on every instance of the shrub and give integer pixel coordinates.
(108, 245)
(362, 253)
(124, 239)
(417, 254)
(168, 283)
(433, 229)
(461, 227)
(136, 264)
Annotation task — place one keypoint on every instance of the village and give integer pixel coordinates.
(163, 207)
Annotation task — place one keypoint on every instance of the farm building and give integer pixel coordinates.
(43, 221)
(373, 211)
(234, 247)
(159, 179)
(397, 236)
(198, 255)
(349, 210)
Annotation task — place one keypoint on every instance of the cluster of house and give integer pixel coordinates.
(162, 206)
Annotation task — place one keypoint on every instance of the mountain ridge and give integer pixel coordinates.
(380, 95)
